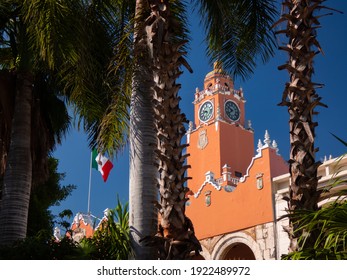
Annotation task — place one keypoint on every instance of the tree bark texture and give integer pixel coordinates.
(176, 237)
(143, 193)
(18, 174)
(301, 99)
(7, 94)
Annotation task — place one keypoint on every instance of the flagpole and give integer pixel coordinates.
(90, 180)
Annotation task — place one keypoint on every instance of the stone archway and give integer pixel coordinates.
(238, 245)
(239, 251)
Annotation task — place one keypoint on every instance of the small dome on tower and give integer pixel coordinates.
(218, 77)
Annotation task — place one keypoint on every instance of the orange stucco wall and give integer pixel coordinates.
(229, 144)
(245, 207)
(237, 147)
(83, 229)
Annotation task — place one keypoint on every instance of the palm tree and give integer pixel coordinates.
(46, 49)
(237, 31)
(301, 98)
(26, 93)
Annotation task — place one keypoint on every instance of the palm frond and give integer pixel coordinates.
(98, 82)
(328, 225)
(9, 10)
(238, 33)
(341, 140)
(49, 23)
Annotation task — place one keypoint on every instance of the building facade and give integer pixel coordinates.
(85, 225)
(237, 192)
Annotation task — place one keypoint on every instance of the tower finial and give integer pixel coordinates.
(217, 66)
(260, 146)
(267, 140)
(275, 146)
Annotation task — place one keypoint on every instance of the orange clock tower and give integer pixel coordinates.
(231, 185)
(221, 142)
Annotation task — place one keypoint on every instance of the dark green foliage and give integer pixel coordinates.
(110, 242)
(43, 196)
(74, 48)
(41, 247)
(61, 222)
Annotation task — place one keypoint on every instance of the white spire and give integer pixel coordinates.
(249, 123)
(260, 146)
(275, 146)
(267, 139)
(267, 143)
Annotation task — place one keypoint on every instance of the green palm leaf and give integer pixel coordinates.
(238, 32)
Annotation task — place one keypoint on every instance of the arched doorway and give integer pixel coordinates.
(239, 251)
(236, 246)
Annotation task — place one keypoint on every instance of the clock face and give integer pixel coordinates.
(232, 110)
(206, 111)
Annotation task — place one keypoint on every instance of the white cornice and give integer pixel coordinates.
(208, 180)
(260, 149)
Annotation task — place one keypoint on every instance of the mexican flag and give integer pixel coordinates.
(101, 163)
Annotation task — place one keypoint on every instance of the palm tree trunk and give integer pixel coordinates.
(143, 217)
(7, 93)
(176, 234)
(18, 175)
(301, 99)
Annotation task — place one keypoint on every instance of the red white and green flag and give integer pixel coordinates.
(101, 163)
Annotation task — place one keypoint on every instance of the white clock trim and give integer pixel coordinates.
(211, 114)
(237, 106)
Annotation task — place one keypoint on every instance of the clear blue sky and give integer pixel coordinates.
(263, 92)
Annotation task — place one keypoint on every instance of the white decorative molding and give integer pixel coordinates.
(87, 219)
(209, 179)
(275, 146)
(261, 147)
(249, 125)
(216, 124)
(267, 143)
(259, 155)
(222, 89)
(189, 131)
(218, 118)
(202, 140)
